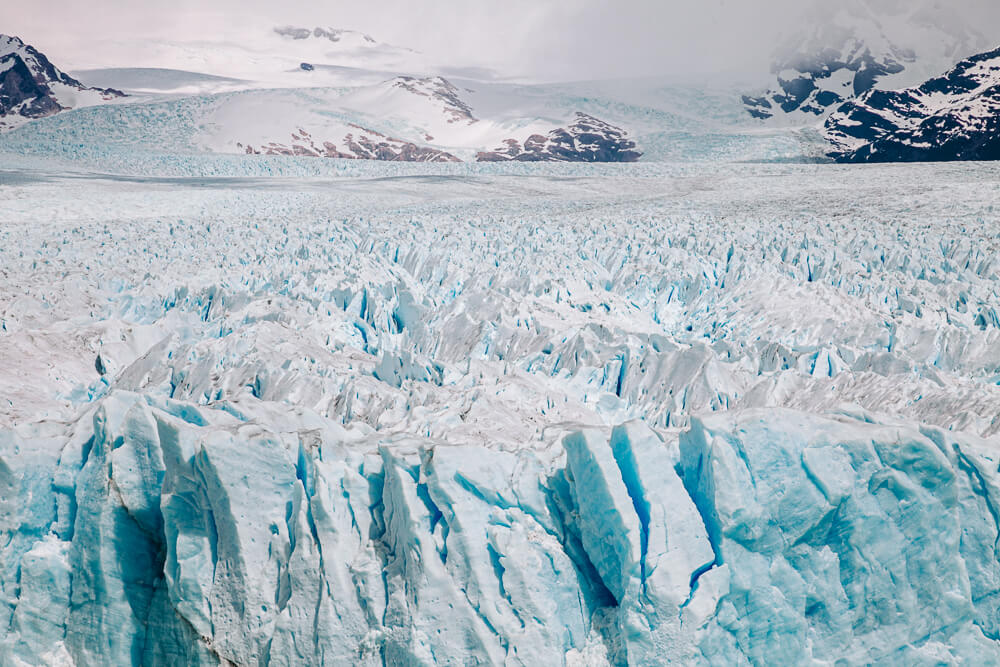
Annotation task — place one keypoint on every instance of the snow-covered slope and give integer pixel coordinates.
(270, 58)
(955, 116)
(856, 46)
(32, 87)
(335, 46)
(443, 414)
(157, 80)
(408, 118)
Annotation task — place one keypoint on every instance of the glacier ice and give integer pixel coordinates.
(724, 415)
(767, 536)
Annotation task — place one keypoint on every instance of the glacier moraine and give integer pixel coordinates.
(706, 414)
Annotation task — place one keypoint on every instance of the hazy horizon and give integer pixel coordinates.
(559, 39)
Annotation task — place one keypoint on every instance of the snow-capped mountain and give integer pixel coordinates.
(410, 119)
(32, 87)
(320, 92)
(858, 46)
(951, 117)
(587, 139)
(425, 105)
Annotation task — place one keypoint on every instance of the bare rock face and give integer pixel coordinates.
(21, 93)
(364, 144)
(588, 139)
(29, 83)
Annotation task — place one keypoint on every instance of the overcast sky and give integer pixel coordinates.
(543, 38)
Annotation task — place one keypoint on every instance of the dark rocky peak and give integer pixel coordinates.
(955, 116)
(587, 139)
(29, 82)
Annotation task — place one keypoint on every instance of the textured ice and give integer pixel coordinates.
(729, 414)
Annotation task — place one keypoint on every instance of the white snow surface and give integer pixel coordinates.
(414, 414)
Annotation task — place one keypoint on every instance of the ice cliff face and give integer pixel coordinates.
(955, 116)
(173, 533)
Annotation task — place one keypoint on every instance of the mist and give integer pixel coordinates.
(555, 39)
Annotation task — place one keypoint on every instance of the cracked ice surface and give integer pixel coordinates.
(744, 415)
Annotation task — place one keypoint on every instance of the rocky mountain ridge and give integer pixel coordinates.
(955, 116)
(32, 87)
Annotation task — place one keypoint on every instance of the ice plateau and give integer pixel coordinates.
(512, 413)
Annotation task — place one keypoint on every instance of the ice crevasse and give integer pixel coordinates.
(157, 532)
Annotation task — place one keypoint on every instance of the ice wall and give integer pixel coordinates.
(157, 532)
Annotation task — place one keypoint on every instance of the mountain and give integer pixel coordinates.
(32, 87)
(858, 46)
(318, 92)
(588, 139)
(951, 117)
(410, 118)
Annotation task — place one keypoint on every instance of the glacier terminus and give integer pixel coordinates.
(317, 351)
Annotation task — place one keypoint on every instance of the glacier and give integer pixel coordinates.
(167, 533)
(378, 414)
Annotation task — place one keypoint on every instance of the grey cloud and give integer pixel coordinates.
(540, 38)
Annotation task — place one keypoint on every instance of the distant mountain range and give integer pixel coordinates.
(837, 77)
(398, 118)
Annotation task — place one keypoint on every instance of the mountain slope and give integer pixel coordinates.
(587, 139)
(32, 87)
(401, 119)
(951, 117)
(857, 46)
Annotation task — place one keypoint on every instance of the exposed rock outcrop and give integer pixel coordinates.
(588, 139)
(955, 116)
(32, 87)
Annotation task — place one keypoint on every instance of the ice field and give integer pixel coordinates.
(364, 413)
